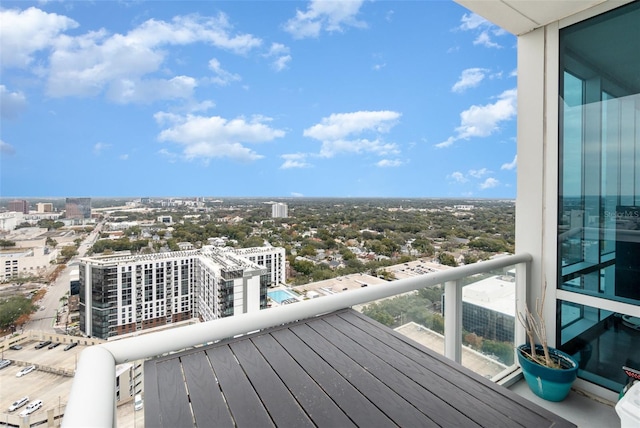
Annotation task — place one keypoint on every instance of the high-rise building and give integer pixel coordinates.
(273, 258)
(123, 294)
(78, 208)
(19, 206)
(279, 210)
(44, 207)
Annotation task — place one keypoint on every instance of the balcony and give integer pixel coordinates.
(92, 402)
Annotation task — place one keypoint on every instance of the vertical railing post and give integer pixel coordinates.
(453, 320)
(522, 284)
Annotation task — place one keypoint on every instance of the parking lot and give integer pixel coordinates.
(46, 383)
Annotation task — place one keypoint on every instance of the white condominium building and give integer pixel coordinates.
(124, 294)
(279, 210)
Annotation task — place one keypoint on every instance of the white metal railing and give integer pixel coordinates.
(92, 397)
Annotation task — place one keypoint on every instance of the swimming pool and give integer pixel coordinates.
(281, 295)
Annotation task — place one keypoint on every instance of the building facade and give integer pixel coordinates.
(44, 207)
(578, 192)
(18, 206)
(78, 208)
(273, 258)
(9, 221)
(125, 294)
(16, 262)
(279, 210)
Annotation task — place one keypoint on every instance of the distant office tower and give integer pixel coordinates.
(78, 208)
(44, 207)
(19, 206)
(124, 294)
(279, 210)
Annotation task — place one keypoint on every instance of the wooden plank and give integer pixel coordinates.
(315, 402)
(246, 408)
(172, 395)
(492, 400)
(209, 407)
(379, 394)
(424, 399)
(360, 410)
(280, 404)
(151, 407)
(450, 390)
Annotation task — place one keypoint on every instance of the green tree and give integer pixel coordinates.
(12, 308)
(447, 259)
(5, 243)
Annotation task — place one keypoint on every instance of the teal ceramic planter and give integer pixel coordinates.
(550, 384)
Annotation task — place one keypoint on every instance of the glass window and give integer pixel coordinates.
(599, 190)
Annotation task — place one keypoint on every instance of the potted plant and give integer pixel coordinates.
(549, 372)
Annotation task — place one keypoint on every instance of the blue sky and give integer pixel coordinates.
(255, 98)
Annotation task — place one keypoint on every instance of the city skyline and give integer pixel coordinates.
(255, 99)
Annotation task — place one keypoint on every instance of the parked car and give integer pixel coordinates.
(25, 371)
(31, 407)
(4, 363)
(43, 344)
(54, 344)
(18, 403)
(137, 404)
(71, 345)
(15, 347)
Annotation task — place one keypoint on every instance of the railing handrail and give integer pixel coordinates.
(84, 396)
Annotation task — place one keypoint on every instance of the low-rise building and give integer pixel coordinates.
(18, 262)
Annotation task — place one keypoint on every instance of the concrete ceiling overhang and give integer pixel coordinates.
(522, 16)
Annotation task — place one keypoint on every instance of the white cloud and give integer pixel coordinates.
(482, 121)
(222, 77)
(11, 103)
(99, 147)
(98, 61)
(137, 91)
(489, 183)
(280, 56)
(484, 29)
(478, 173)
(330, 16)
(458, 177)
(511, 165)
(389, 163)
(124, 156)
(332, 148)
(25, 32)
(206, 138)
(485, 40)
(342, 133)
(340, 125)
(170, 156)
(297, 195)
(295, 160)
(6, 148)
(470, 78)
(472, 21)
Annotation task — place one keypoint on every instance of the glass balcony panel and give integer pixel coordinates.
(488, 319)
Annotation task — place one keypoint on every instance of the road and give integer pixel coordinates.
(44, 319)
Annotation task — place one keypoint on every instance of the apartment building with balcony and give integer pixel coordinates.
(576, 209)
(121, 294)
(273, 258)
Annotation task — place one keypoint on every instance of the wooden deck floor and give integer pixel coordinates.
(338, 370)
